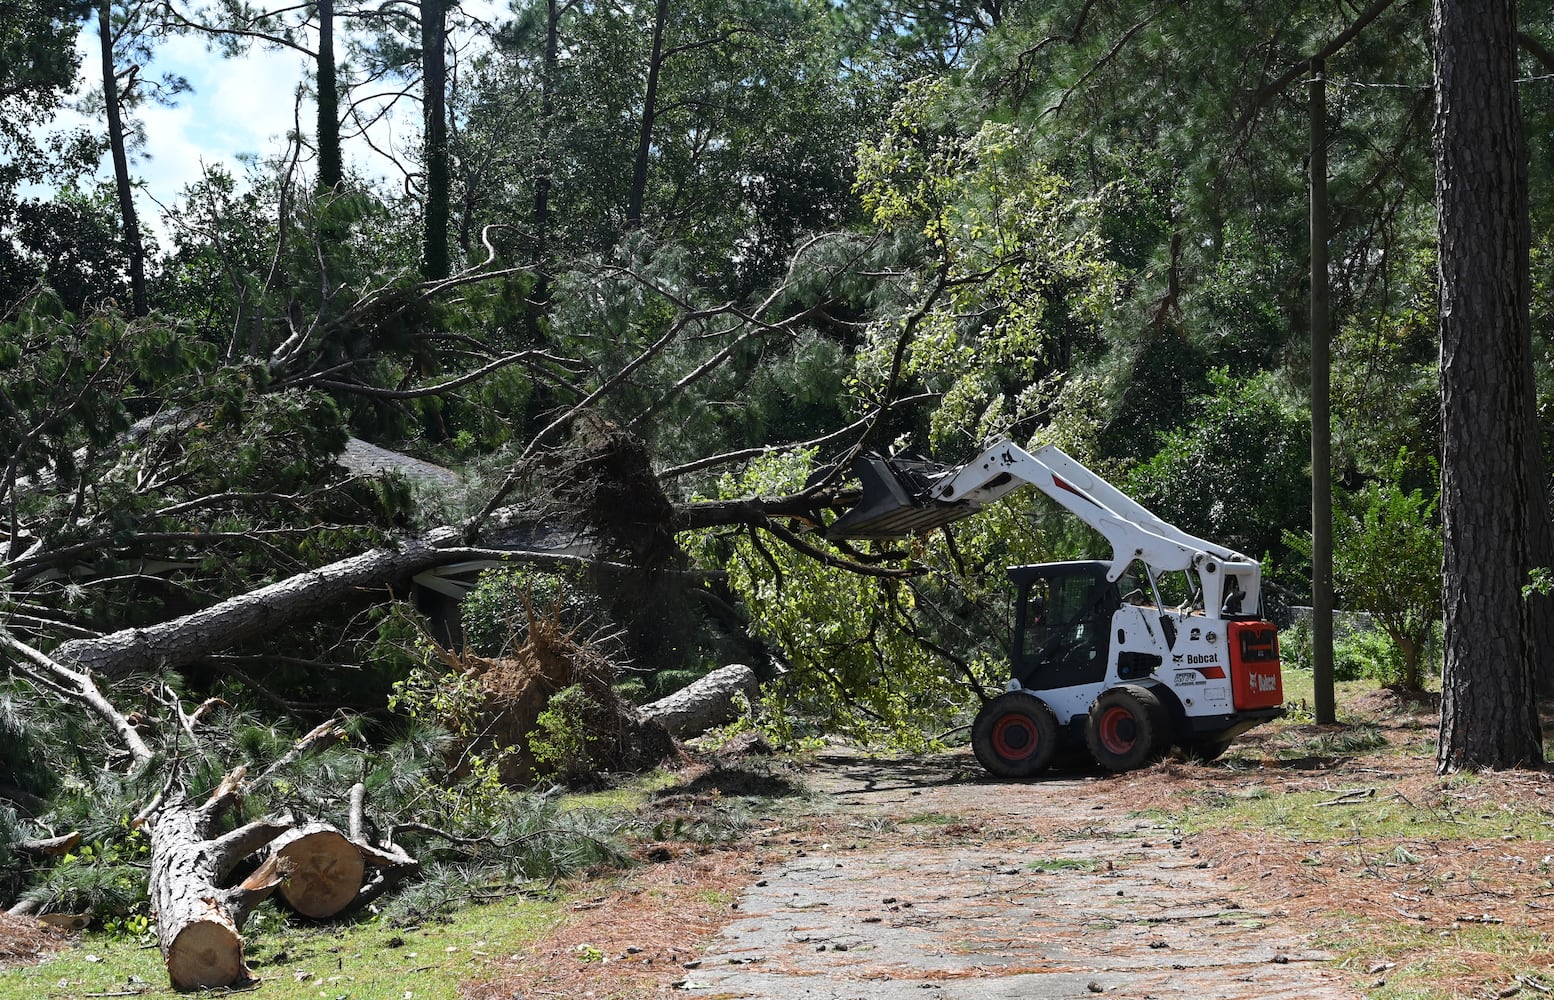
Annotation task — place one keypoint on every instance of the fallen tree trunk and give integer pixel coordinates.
(711, 701)
(328, 871)
(199, 922)
(237, 619)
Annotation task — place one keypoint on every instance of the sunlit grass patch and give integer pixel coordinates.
(1051, 865)
(296, 961)
(1413, 960)
(1361, 811)
(626, 797)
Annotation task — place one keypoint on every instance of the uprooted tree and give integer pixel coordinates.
(208, 523)
(191, 854)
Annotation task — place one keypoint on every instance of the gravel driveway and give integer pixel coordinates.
(995, 889)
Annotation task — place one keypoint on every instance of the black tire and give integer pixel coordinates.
(1015, 735)
(1128, 729)
(1205, 751)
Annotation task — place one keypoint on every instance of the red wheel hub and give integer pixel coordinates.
(1015, 738)
(1118, 730)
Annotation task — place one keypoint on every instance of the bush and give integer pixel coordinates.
(566, 731)
(1295, 645)
(495, 614)
(1368, 656)
(1237, 472)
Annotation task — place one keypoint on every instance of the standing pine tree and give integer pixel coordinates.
(1491, 486)
(434, 144)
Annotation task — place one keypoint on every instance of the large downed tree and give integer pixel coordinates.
(199, 915)
(169, 519)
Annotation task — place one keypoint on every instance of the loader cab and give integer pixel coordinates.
(1062, 625)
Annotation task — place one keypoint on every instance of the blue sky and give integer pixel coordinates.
(241, 106)
(238, 106)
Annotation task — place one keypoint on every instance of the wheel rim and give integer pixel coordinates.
(1015, 738)
(1118, 730)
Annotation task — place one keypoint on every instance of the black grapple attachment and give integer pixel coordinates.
(896, 498)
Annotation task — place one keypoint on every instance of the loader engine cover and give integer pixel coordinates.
(1256, 679)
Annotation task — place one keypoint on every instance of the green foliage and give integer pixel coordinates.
(436, 695)
(1237, 472)
(104, 878)
(495, 614)
(1385, 382)
(1013, 275)
(563, 742)
(869, 657)
(1387, 561)
(533, 844)
(1370, 655)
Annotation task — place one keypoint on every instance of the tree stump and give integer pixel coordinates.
(325, 870)
(199, 925)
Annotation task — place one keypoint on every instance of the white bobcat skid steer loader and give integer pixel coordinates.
(1100, 661)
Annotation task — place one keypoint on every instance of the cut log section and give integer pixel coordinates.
(199, 925)
(704, 704)
(326, 870)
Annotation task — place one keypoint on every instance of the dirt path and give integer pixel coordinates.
(926, 879)
(994, 889)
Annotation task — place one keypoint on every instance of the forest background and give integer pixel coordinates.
(645, 268)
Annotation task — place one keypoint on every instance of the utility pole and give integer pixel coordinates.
(1321, 425)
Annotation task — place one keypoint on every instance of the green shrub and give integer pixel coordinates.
(564, 742)
(1369, 656)
(495, 614)
(1295, 645)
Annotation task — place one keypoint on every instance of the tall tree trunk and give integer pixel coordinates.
(543, 164)
(121, 177)
(434, 83)
(1321, 419)
(331, 166)
(639, 170)
(1489, 496)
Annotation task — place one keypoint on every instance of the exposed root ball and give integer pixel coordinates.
(605, 484)
(519, 688)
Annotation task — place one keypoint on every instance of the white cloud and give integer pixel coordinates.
(238, 106)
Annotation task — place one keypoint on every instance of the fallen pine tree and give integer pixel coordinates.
(193, 857)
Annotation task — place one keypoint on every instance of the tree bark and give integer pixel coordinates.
(639, 170)
(391, 865)
(711, 701)
(112, 107)
(1489, 493)
(331, 166)
(544, 168)
(230, 622)
(434, 83)
(199, 922)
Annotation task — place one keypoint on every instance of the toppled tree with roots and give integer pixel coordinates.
(549, 709)
(552, 698)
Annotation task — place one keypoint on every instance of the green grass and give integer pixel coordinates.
(1406, 960)
(1347, 812)
(931, 819)
(1049, 865)
(362, 961)
(1300, 694)
(624, 798)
